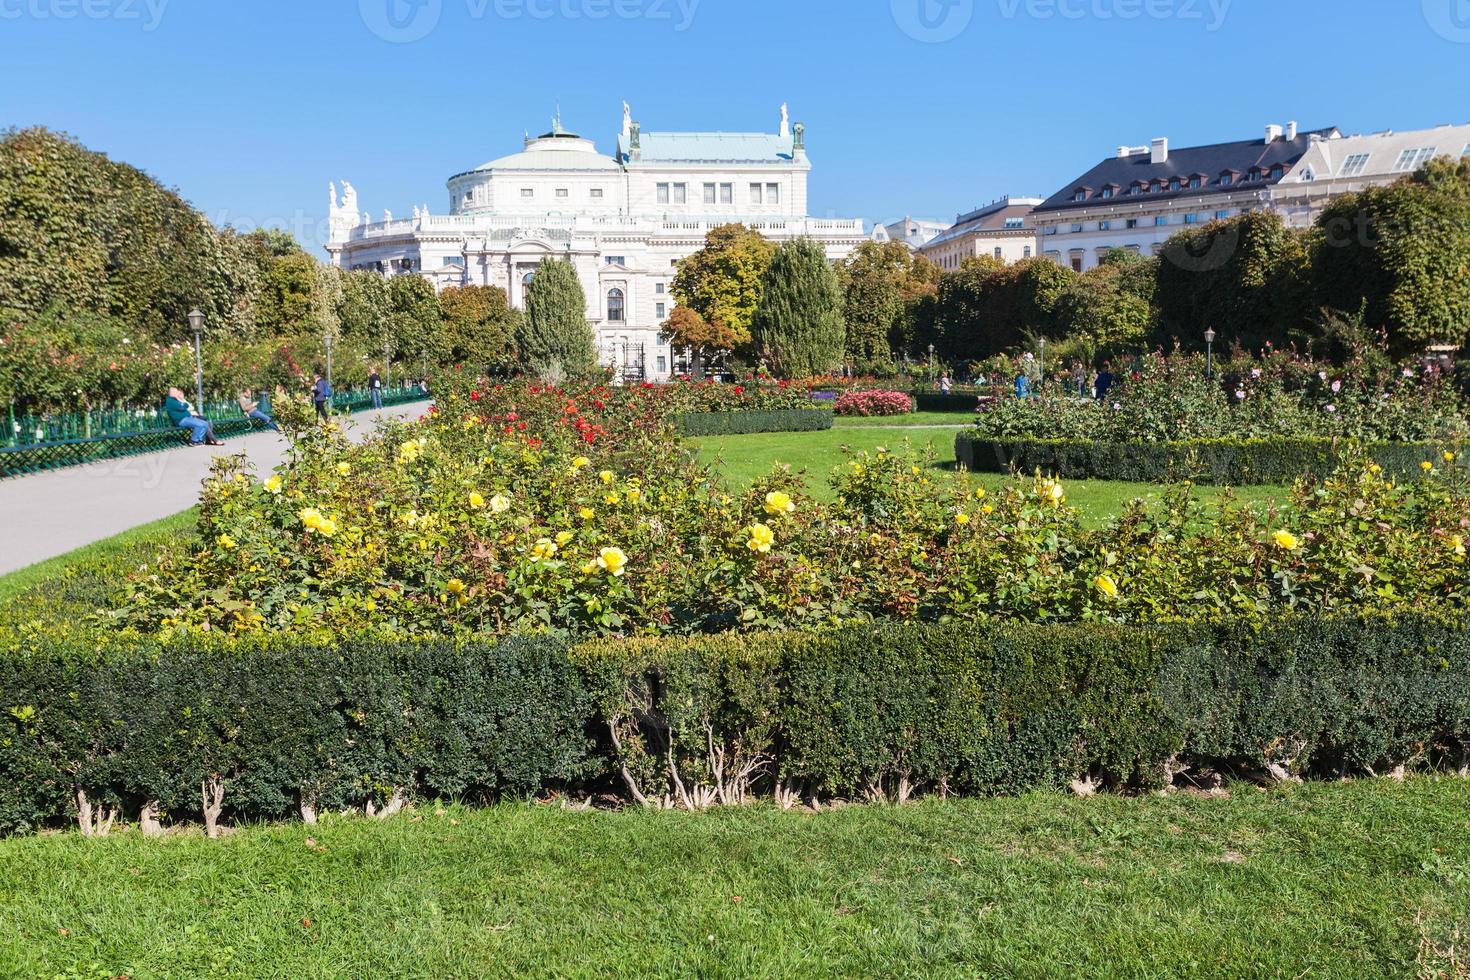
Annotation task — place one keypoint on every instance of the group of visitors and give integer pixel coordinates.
(182, 413)
(1079, 380)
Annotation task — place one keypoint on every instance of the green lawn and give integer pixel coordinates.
(113, 553)
(955, 419)
(1370, 878)
(744, 458)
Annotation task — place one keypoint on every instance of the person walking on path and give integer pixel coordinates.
(1079, 380)
(1023, 384)
(945, 385)
(184, 416)
(251, 409)
(375, 388)
(321, 395)
(1104, 382)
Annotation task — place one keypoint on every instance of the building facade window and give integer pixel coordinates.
(773, 193)
(709, 193)
(1027, 251)
(658, 287)
(1161, 221)
(597, 192)
(1413, 159)
(658, 310)
(661, 194)
(1221, 215)
(1104, 226)
(615, 260)
(615, 305)
(997, 251)
(755, 194)
(526, 286)
(1131, 223)
(562, 192)
(527, 193)
(727, 193)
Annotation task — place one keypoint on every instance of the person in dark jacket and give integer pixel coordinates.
(321, 395)
(184, 415)
(1104, 381)
(375, 388)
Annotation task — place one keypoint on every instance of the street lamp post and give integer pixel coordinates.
(387, 366)
(196, 323)
(931, 362)
(1041, 360)
(1210, 354)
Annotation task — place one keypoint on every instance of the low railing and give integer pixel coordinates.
(72, 439)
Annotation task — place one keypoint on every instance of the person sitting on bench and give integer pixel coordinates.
(183, 415)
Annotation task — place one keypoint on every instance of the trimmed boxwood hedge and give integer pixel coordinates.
(882, 710)
(938, 401)
(1238, 462)
(745, 423)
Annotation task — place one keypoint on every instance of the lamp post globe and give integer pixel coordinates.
(1210, 353)
(196, 324)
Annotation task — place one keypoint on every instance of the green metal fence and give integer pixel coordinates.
(33, 444)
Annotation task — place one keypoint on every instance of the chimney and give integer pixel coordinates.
(1291, 130)
(1160, 152)
(1273, 133)
(1123, 152)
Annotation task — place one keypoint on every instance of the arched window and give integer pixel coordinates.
(526, 287)
(615, 306)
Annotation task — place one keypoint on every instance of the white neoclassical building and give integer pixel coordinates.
(624, 220)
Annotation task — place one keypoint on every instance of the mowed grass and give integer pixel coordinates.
(130, 547)
(745, 458)
(1362, 879)
(953, 419)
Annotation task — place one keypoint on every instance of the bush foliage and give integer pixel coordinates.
(258, 730)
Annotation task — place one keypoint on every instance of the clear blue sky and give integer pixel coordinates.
(249, 108)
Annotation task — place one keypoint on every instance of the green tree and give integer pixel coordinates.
(722, 281)
(287, 301)
(414, 322)
(1400, 255)
(84, 234)
(1246, 278)
(1100, 310)
(479, 327)
(877, 281)
(798, 328)
(554, 336)
(685, 328)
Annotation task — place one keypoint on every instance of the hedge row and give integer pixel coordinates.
(744, 423)
(882, 711)
(1236, 462)
(938, 401)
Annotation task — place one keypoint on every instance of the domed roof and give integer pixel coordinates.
(556, 150)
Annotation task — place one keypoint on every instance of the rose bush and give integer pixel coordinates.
(874, 403)
(1171, 399)
(530, 508)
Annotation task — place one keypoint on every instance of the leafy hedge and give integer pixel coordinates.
(1236, 462)
(745, 423)
(938, 401)
(879, 711)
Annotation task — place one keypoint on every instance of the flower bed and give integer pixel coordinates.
(1170, 399)
(1217, 462)
(868, 403)
(520, 509)
(254, 729)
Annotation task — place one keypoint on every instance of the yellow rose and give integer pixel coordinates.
(563, 538)
(273, 485)
(344, 469)
(1457, 545)
(543, 550)
(1285, 540)
(1426, 466)
(778, 503)
(499, 503)
(607, 476)
(589, 568)
(962, 518)
(1052, 492)
(457, 591)
(581, 462)
(1107, 586)
(875, 539)
(1449, 457)
(611, 499)
(635, 495)
(761, 538)
(987, 510)
(586, 513)
(613, 561)
(226, 542)
(477, 502)
(979, 493)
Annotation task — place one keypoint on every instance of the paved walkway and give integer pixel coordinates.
(49, 514)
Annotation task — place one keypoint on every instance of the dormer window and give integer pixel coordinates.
(1255, 173)
(1227, 178)
(1155, 186)
(1136, 187)
(1174, 184)
(1079, 195)
(1277, 172)
(1196, 181)
(1110, 191)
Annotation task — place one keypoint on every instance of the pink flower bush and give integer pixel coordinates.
(874, 403)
